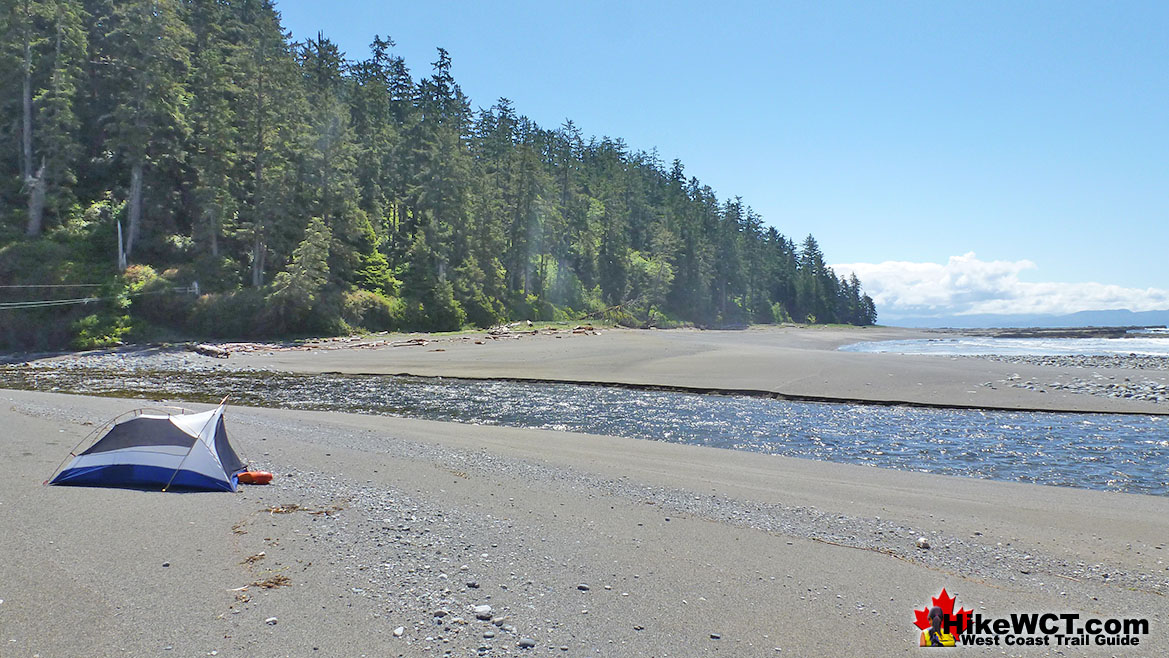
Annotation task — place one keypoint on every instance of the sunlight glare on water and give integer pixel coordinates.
(986, 346)
(1110, 452)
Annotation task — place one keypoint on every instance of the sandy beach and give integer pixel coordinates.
(796, 362)
(381, 536)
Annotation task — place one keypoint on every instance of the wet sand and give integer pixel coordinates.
(795, 362)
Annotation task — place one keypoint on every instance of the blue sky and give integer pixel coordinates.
(960, 157)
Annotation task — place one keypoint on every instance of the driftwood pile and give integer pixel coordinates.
(512, 331)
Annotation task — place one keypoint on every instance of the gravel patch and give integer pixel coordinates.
(1098, 382)
(965, 555)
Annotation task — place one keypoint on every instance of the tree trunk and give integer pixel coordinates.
(26, 101)
(134, 209)
(36, 202)
(121, 250)
(259, 252)
(213, 226)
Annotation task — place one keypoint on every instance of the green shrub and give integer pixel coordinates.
(114, 321)
(372, 311)
(100, 330)
(531, 307)
(662, 320)
(53, 262)
(779, 313)
(160, 302)
(445, 313)
(227, 315)
(214, 273)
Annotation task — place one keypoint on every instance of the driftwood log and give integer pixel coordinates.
(211, 350)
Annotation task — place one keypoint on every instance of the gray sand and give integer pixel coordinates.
(380, 524)
(792, 361)
(390, 521)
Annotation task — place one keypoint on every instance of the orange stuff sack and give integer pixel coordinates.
(255, 477)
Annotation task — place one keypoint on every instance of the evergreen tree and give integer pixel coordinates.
(215, 123)
(318, 179)
(298, 290)
(145, 57)
(47, 45)
(273, 138)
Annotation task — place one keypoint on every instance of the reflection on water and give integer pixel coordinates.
(1110, 452)
(1155, 345)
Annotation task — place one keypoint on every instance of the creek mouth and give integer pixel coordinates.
(1110, 452)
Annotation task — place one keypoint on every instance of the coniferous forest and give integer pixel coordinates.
(149, 145)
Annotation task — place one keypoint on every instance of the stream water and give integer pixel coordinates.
(1127, 453)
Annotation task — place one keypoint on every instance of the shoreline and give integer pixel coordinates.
(674, 388)
(795, 427)
(794, 363)
(398, 517)
(755, 393)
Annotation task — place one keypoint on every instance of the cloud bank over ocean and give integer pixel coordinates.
(966, 286)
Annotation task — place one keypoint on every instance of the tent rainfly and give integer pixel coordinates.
(185, 450)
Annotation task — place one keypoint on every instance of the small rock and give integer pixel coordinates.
(271, 621)
(526, 643)
(715, 636)
(166, 564)
(582, 587)
(922, 542)
(399, 630)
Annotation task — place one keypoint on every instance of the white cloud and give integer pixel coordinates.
(966, 285)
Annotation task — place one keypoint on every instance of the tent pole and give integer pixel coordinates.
(197, 439)
(73, 452)
(98, 430)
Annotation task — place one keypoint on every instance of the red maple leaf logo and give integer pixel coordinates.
(956, 621)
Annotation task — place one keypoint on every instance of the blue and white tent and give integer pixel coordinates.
(157, 448)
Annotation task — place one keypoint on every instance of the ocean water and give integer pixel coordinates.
(1154, 344)
(1128, 453)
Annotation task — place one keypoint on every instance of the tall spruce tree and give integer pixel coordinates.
(273, 138)
(146, 58)
(258, 158)
(47, 45)
(214, 120)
